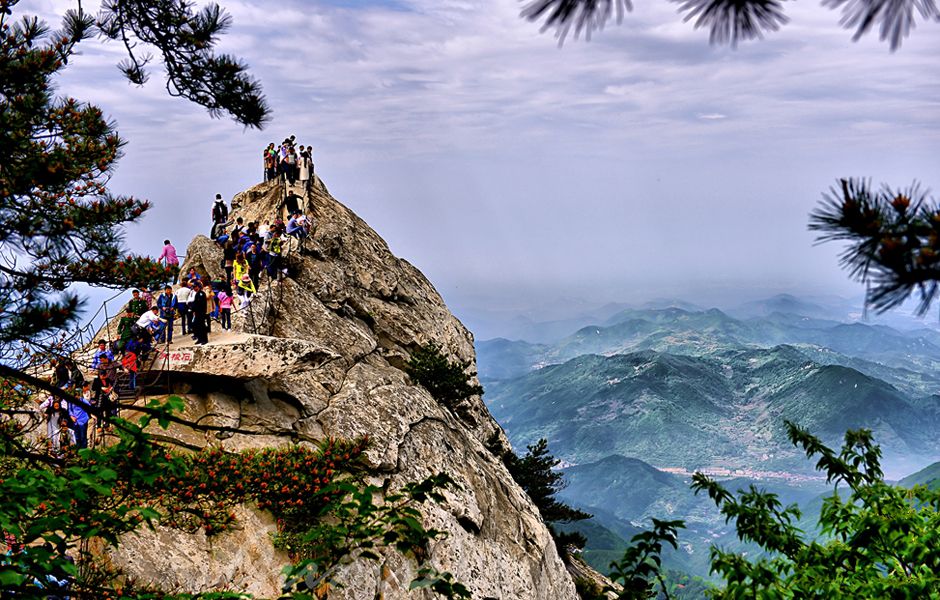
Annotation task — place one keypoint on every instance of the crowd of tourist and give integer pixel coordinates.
(145, 321)
(288, 161)
(251, 252)
(141, 324)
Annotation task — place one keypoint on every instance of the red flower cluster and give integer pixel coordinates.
(292, 483)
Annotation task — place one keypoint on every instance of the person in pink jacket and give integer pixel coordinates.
(225, 308)
(169, 256)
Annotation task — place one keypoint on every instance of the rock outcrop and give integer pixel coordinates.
(321, 353)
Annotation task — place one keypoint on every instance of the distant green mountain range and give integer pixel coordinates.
(625, 493)
(679, 331)
(684, 389)
(722, 411)
(632, 489)
(929, 476)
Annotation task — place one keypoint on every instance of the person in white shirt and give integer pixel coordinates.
(53, 408)
(151, 320)
(305, 222)
(182, 303)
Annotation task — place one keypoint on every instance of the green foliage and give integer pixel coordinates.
(447, 381)
(185, 39)
(731, 21)
(881, 541)
(640, 569)
(354, 525)
(878, 540)
(566, 539)
(589, 590)
(56, 216)
(534, 472)
(51, 506)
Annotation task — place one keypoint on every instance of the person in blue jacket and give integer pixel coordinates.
(102, 352)
(79, 423)
(166, 302)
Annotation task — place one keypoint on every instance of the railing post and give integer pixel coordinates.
(107, 322)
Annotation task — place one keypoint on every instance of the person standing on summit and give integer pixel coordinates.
(170, 258)
(219, 213)
(303, 169)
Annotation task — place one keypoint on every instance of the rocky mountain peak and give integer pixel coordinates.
(321, 353)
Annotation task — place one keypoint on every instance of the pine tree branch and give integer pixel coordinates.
(893, 239)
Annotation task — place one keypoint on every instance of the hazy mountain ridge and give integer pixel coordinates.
(641, 490)
(929, 476)
(790, 304)
(683, 389)
(678, 331)
(624, 493)
(694, 412)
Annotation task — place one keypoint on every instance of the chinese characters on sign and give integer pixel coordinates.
(175, 357)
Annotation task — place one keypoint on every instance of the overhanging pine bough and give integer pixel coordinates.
(893, 236)
(731, 21)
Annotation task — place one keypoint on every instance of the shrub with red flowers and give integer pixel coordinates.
(294, 484)
(326, 515)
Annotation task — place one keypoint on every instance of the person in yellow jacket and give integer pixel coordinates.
(240, 268)
(245, 289)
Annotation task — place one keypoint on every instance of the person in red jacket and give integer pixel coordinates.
(129, 362)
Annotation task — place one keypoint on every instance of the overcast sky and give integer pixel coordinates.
(643, 163)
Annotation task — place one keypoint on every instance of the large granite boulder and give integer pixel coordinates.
(322, 353)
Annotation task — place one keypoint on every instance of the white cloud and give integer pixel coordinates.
(478, 147)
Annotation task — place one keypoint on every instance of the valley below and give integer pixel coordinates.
(636, 403)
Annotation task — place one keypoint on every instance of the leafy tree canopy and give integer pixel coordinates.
(535, 473)
(876, 540)
(879, 541)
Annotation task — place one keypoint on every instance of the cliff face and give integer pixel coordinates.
(321, 354)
